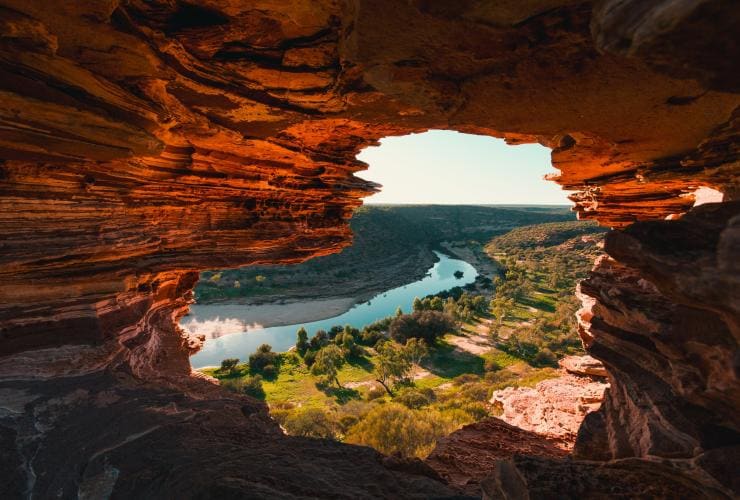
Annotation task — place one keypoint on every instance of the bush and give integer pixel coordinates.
(545, 358)
(347, 421)
(465, 378)
(415, 398)
(262, 357)
(319, 340)
(393, 428)
(476, 391)
(311, 422)
(491, 365)
(290, 358)
(229, 364)
(375, 393)
(251, 386)
(309, 358)
(477, 410)
(270, 371)
(427, 325)
(370, 337)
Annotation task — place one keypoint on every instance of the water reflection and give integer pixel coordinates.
(234, 337)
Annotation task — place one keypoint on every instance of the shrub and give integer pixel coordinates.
(491, 366)
(370, 337)
(427, 325)
(375, 393)
(465, 378)
(229, 364)
(476, 391)
(311, 422)
(477, 410)
(393, 428)
(545, 357)
(347, 421)
(415, 398)
(309, 358)
(262, 357)
(290, 358)
(319, 340)
(270, 371)
(251, 386)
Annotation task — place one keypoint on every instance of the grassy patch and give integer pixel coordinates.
(446, 362)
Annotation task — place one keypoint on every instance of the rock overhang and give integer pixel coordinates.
(143, 141)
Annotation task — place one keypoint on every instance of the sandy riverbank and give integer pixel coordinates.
(237, 317)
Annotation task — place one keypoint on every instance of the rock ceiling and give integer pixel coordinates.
(144, 140)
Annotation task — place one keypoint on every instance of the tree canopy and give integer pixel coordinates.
(328, 361)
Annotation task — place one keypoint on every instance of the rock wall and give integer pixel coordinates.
(142, 141)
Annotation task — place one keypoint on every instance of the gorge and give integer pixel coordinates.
(282, 337)
(143, 141)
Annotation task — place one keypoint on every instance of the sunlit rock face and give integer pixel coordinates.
(143, 141)
(554, 408)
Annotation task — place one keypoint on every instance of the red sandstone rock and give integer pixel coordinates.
(467, 456)
(583, 365)
(142, 141)
(554, 408)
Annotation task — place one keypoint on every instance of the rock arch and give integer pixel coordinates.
(143, 141)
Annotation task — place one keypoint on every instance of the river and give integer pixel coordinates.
(234, 337)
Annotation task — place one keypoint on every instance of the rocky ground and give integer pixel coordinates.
(469, 455)
(537, 422)
(554, 408)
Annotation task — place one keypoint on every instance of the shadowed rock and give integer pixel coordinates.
(143, 141)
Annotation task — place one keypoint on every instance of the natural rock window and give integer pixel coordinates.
(143, 142)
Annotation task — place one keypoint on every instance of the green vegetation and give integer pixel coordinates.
(391, 246)
(534, 305)
(328, 361)
(423, 324)
(403, 382)
(398, 398)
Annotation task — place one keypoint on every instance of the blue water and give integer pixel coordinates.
(239, 345)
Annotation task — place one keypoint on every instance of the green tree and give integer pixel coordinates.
(328, 361)
(417, 304)
(302, 342)
(399, 311)
(420, 324)
(262, 358)
(228, 365)
(436, 304)
(416, 350)
(349, 344)
(319, 340)
(391, 364)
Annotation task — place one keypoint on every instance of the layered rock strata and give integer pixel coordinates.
(142, 141)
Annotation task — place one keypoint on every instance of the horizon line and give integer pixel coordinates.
(473, 204)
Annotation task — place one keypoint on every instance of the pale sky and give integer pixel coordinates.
(445, 167)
